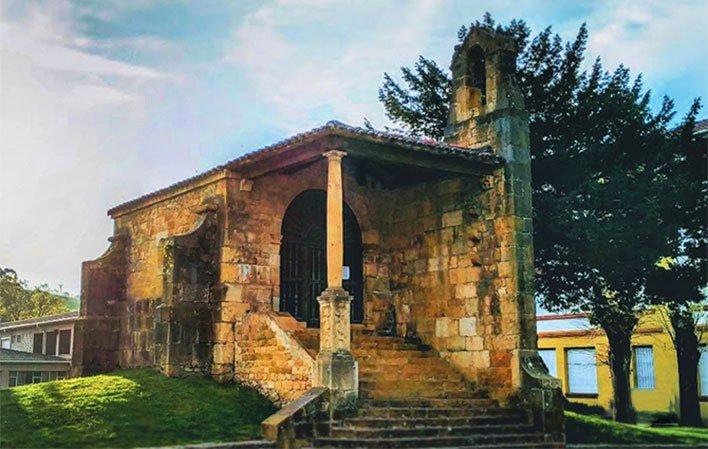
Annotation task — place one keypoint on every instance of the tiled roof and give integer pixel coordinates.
(10, 355)
(424, 145)
(701, 127)
(39, 320)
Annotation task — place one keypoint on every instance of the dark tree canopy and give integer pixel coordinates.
(604, 167)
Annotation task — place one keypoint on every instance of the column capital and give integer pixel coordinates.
(334, 154)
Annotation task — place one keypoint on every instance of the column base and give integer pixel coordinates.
(339, 372)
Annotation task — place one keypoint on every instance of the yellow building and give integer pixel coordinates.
(576, 353)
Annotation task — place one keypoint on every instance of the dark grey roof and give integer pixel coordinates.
(701, 127)
(39, 320)
(484, 155)
(10, 356)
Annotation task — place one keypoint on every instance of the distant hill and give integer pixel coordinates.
(71, 302)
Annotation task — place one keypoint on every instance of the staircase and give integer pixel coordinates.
(410, 398)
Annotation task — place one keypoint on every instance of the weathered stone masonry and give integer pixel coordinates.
(191, 282)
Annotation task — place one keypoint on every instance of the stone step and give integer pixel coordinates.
(416, 376)
(446, 421)
(428, 431)
(434, 441)
(406, 402)
(405, 385)
(388, 412)
(540, 445)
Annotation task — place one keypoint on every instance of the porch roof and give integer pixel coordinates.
(383, 146)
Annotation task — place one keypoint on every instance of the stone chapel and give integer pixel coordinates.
(377, 286)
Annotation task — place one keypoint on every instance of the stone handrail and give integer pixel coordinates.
(293, 425)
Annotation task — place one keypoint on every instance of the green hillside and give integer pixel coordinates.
(128, 409)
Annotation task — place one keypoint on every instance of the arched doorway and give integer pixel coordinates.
(303, 258)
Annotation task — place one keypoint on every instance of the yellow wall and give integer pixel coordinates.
(662, 398)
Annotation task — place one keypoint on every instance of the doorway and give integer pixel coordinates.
(303, 258)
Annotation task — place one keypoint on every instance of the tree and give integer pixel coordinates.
(600, 180)
(17, 302)
(679, 279)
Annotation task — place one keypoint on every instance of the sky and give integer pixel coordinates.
(101, 102)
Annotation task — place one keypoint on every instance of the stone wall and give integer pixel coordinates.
(148, 226)
(250, 260)
(268, 358)
(450, 272)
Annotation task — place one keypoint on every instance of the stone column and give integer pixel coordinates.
(336, 367)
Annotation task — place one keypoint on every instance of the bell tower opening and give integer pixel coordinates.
(478, 72)
(303, 258)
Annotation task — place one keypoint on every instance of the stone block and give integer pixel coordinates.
(223, 332)
(468, 326)
(475, 343)
(223, 353)
(442, 327)
(481, 359)
(461, 359)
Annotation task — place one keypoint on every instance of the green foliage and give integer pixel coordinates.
(18, 302)
(129, 409)
(605, 170)
(581, 429)
(423, 109)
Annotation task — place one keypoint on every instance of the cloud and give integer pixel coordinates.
(284, 53)
(68, 123)
(654, 37)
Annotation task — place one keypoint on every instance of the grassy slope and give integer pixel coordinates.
(128, 409)
(595, 430)
(143, 408)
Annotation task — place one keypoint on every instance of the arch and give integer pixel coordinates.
(303, 259)
(477, 64)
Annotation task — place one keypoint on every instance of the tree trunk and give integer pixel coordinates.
(687, 356)
(620, 358)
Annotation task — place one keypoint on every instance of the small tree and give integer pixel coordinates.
(600, 179)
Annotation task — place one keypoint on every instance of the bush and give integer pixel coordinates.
(584, 409)
(661, 419)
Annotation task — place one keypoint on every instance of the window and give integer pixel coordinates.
(478, 72)
(51, 347)
(36, 377)
(582, 371)
(65, 341)
(61, 375)
(643, 367)
(5, 343)
(14, 379)
(703, 372)
(549, 358)
(38, 346)
(18, 338)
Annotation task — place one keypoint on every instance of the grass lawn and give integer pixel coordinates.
(128, 409)
(595, 430)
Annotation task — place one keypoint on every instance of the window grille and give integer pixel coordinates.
(703, 371)
(582, 371)
(14, 379)
(644, 367)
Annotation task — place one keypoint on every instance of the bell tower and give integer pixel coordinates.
(487, 103)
